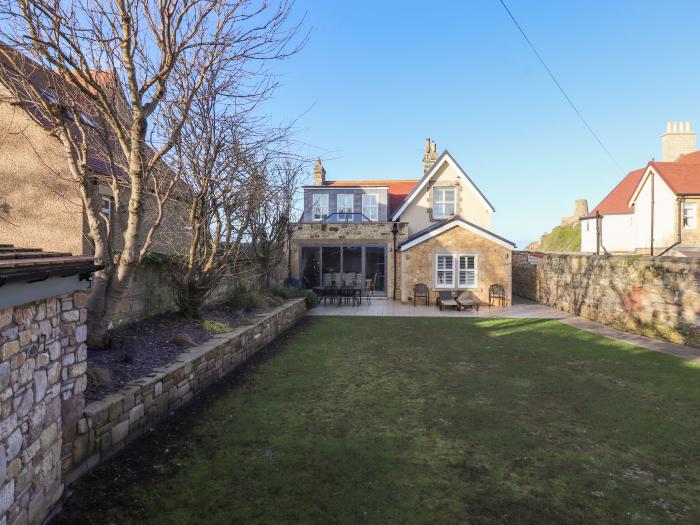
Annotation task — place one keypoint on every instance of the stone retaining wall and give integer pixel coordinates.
(112, 422)
(653, 296)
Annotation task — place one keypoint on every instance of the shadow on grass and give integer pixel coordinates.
(420, 420)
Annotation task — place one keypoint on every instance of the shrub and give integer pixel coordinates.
(215, 327)
(242, 299)
(290, 293)
(292, 282)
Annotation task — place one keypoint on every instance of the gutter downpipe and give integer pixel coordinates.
(599, 233)
(394, 232)
(679, 239)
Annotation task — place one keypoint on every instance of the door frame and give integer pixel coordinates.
(320, 247)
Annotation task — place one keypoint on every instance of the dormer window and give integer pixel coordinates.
(443, 203)
(319, 206)
(345, 207)
(370, 207)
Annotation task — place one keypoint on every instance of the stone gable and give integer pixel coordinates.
(493, 262)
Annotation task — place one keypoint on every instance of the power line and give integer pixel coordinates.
(554, 79)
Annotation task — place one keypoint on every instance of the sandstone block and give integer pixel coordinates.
(119, 431)
(5, 317)
(9, 349)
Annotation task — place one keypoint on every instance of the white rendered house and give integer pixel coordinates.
(653, 210)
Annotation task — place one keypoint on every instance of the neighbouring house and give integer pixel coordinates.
(654, 209)
(40, 205)
(388, 235)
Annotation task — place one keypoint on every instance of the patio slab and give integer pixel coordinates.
(521, 308)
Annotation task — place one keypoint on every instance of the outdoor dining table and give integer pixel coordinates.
(348, 293)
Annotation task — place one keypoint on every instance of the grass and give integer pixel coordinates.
(564, 238)
(423, 420)
(215, 327)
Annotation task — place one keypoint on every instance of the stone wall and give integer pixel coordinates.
(151, 293)
(42, 379)
(110, 423)
(653, 296)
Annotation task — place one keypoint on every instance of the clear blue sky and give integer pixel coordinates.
(376, 78)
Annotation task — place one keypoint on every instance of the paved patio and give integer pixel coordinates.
(521, 308)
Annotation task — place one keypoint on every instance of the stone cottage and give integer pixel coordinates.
(385, 236)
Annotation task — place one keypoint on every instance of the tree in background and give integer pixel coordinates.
(224, 154)
(273, 213)
(98, 76)
(312, 271)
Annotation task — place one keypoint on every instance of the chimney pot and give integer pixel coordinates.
(429, 156)
(678, 140)
(319, 174)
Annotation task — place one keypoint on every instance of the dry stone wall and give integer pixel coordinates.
(42, 379)
(110, 423)
(653, 296)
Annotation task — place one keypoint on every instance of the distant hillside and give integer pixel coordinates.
(563, 238)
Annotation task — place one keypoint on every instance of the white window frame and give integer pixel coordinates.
(446, 271)
(106, 207)
(443, 202)
(370, 211)
(475, 270)
(689, 224)
(318, 206)
(344, 215)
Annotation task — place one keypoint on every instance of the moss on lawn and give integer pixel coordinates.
(427, 420)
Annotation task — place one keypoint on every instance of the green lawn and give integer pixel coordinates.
(423, 420)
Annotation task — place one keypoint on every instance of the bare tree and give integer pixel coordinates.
(221, 147)
(215, 168)
(273, 213)
(96, 76)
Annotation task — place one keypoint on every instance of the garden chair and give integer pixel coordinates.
(467, 299)
(347, 294)
(446, 298)
(497, 293)
(421, 291)
(331, 293)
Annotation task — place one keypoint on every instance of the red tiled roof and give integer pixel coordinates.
(683, 179)
(682, 176)
(617, 201)
(398, 189)
(689, 158)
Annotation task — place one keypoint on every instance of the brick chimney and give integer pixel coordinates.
(429, 155)
(319, 174)
(678, 140)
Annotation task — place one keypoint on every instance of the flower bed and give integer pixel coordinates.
(110, 423)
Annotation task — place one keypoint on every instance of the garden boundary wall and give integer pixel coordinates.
(42, 379)
(151, 292)
(111, 423)
(653, 296)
